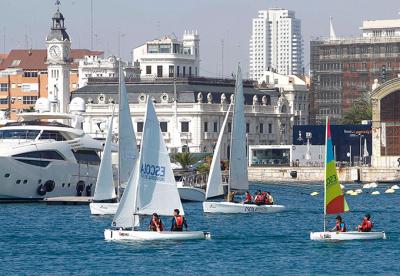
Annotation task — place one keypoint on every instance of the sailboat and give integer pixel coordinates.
(334, 200)
(127, 153)
(151, 189)
(238, 179)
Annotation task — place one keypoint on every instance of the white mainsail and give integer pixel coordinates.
(157, 191)
(214, 181)
(127, 147)
(104, 183)
(238, 178)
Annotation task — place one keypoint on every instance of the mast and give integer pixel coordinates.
(230, 149)
(326, 159)
(119, 131)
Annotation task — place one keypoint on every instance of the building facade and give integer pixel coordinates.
(202, 106)
(167, 57)
(276, 43)
(294, 89)
(96, 67)
(344, 69)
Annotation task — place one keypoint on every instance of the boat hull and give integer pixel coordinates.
(240, 208)
(191, 194)
(129, 235)
(101, 208)
(347, 236)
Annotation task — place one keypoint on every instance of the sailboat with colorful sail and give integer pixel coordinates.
(335, 201)
(151, 189)
(238, 178)
(127, 154)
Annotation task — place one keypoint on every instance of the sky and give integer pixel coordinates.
(121, 25)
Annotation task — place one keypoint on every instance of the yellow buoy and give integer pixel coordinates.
(395, 187)
(389, 191)
(359, 191)
(349, 192)
(314, 194)
(375, 193)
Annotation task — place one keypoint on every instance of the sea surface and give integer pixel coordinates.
(64, 240)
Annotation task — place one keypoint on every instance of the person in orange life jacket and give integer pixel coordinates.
(340, 225)
(366, 224)
(248, 199)
(156, 223)
(259, 199)
(178, 222)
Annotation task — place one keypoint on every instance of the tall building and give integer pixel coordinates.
(344, 69)
(276, 43)
(167, 57)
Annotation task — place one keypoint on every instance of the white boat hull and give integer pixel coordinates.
(239, 208)
(346, 236)
(100, 208)
(192, 194)
(129, 235)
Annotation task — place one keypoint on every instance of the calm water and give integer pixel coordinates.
(40, 239)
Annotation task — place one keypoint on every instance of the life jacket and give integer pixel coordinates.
(258, 199)
(179, 222)
(341, 227)
(366, 226)
(248, 198)
(154, 224)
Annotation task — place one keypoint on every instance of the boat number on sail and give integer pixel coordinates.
(153, 172)
(331, 180)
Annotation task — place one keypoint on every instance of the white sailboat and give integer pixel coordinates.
(151, 189)
(238, 178)
(127, 151)
(335, 202)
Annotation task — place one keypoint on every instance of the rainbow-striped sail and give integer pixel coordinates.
(335, 203)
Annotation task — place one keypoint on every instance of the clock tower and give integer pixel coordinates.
(58, 64)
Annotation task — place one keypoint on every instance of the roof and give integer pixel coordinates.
(35, 59)
(381, 24)
(187, 90)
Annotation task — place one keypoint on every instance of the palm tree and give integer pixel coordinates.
(185, 159)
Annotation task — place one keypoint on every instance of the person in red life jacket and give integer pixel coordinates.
(259, 199)
(156, 223)
(366, 224)
(340, 225)
(178, 222)
(248, 199)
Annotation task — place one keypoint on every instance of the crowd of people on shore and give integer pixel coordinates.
(366, 224)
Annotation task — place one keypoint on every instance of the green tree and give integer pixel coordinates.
(360, 110)
(185, 159)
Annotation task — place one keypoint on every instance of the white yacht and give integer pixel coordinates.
(47, 154)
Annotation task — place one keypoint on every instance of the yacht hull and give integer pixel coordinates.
(21, 181)
(129, 235)
(240, 208)
(346, 236)
(101, 209)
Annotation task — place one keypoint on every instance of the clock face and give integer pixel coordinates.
(55, 51)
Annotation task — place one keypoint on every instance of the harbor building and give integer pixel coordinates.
(344, 68)
(28, 74)
(202, 105)
(386, 124)
(276, 43)
(167, 57)
(294, 89)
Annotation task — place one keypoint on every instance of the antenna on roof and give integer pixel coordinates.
(58, 4)
(91, 24)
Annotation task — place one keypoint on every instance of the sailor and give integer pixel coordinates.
(259, 199)
(156, 223)
(366, 224)
(340, 225)
(231, 196)
(178, 222)
(248, 199)
(269, 199)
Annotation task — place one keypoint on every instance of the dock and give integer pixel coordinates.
(68, 200)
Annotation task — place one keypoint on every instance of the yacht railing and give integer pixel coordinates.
(199, 180)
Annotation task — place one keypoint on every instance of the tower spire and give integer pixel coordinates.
(332, 34)
(58, 3)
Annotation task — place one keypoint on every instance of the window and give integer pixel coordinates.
(139, 127)
(215, 126)
(19, 134)
(165, 48)
(247, 127)
(171, 71)
(152, 48)
(269, 128)
(3, 86)
(51, 135)
(29, 99)
(164, 126)
(229, 127)
(148, 69)
(184, 126)
(159, 71)
(87, 156)
(190, 71)
(29, 74)
(261, 128)
(4, 100)
(205, 126)
(15, 62)
(184, 71)
(41, 154)
(177, 71)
